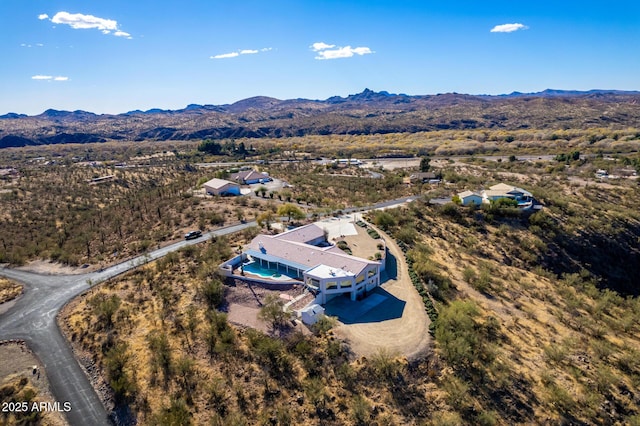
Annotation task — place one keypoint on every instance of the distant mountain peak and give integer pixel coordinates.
(366, 112)
(548, 93)
(77, 114)
(12, 115)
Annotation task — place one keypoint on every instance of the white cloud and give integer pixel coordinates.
(508, 28)
(226, 55)
(79, 21)
(328, 51)
(321, 46)
(49, 78)
(240, 52)
(122, 34)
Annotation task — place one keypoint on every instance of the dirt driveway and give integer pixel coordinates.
(398, 323)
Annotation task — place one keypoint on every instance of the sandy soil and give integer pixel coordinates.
(21, 366)
(51, 268)
(243, 303)
(362, 245)
(583, 182)
(392, 163)
(246, 316)
(407, 335)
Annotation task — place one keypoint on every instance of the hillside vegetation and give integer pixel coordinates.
(537, 320)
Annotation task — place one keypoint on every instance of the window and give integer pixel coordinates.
(332, 285)
(360, 278)
(371, 273)
(345, 283)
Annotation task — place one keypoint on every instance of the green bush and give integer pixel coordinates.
(212, 291)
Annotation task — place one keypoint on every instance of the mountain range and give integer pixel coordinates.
(367, 112)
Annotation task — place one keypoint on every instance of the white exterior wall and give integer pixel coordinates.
(344, 284)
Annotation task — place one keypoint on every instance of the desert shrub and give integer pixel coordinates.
(560, 398)
(272, 311)
(175, 414)
(469, 275)
(212, 291)
(384, 220)
(460, 339)
(373, 234)
(115, 362)
(555, 353)
(342, 245)
(160, 351)
(272, 353)
(184, 372)
(406, 234)
(360, 410)
(324, 324)
(457, 393)
(104, 307)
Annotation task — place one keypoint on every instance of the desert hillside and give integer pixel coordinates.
(364, 113)
(536, 320)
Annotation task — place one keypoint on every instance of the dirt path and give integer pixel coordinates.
(407, 335)
(52, 268)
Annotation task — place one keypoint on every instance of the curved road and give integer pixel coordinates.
(33, 319)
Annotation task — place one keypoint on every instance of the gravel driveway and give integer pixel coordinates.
(399, 323)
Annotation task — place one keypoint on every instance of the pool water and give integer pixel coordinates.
(255, 269)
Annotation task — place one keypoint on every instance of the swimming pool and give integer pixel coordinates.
(255, 269)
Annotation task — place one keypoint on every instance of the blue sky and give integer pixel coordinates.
(116, 56)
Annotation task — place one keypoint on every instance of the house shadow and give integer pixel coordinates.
(378, 306)
(391, 268)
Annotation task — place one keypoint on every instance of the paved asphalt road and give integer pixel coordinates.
(33, 319)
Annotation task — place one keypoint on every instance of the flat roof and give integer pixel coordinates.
(324, 271)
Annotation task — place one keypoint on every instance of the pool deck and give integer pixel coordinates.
(248, 276)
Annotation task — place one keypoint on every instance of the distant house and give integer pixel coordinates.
(502, 190)
(424, 177)
(248, 177)
(221, 187)
(470, 197)
(523, 197)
